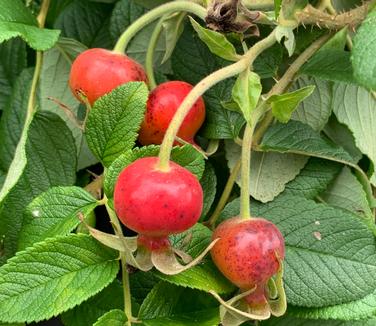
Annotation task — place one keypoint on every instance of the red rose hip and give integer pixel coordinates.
(96, 72)
(162, 104)
(248, 252)
(155, 203)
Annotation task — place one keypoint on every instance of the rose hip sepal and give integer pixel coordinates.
(250, 254)
(96, 72)
(162, 104)
(155, 204)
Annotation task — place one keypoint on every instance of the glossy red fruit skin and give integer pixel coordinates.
(162, 104)
(246, 251)
(155, 203)
(96, 72)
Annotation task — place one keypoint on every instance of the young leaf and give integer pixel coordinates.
(89, 311)
(204, 276)
(75, 265)
(269, 171)
(51, 162)
(114, 317)
(356, 108)
(186, 156)
(17, 20)
(296, 137)
(114, 120)
(246, 92)
(284, 105)
(316, 109)
(347, 192)
(289, 39)
(192, 61)
(216, 42)
(363, 52)
(330, 253)
(54, 212)
(12, 62)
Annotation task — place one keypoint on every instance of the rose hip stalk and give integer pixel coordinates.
(156, 204)
(96, 72)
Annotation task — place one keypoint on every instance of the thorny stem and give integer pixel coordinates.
(313, 16)
(149, 61)
(154, 14)
(125, 275)
(225, 195)
(232, 70)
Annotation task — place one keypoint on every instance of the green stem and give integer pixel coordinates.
(245, 212)
(154, 14)
(285, 81)
(149, 61)
(125, 275)
(232, 70)
(225, 195)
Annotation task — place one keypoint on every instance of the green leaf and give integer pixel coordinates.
(330, 64)
(141, 284)
(173, 28)
(296, 137)
(316, 109)
(17, 20)
(357, 309)
(89, 311)
(170, 305)
(246, 93)
(54, 86)
(330, 253)
(12, 62)
(267, 63)
(269, 171)
(192, 61)
(204, 276)
(284, 105)
(216, 42)
(13, 118)
(87, 22)
(114, 120)
(347, 192)
(277, 7)
(54, 212)
(356, 108)
(114, 317)
(342, 136)
(363, 52)
(51, 162)
(50, 268)
(314, 178)
(290, 320)
(185, 156)
(209, 186)
(126, 12)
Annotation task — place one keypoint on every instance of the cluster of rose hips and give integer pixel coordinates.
(157, 203)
